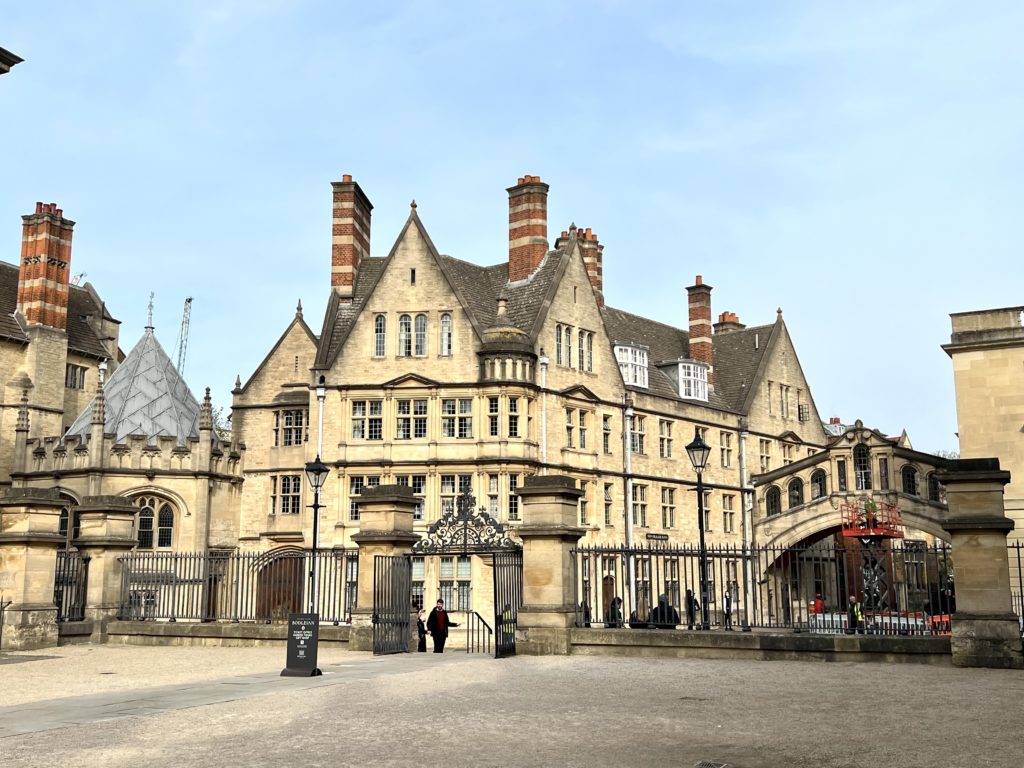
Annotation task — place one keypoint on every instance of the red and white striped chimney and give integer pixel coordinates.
(350, 235)
(593, 259)
(527, 227)
(700, 326)
(45, 266)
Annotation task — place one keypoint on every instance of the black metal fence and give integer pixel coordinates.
(1015, 555)
(899, 587)
(237, 586)
(69, 585)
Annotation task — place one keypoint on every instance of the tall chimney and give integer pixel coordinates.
(45, 263)
(593, 254)
(350, 235)
(527, 226)
(700, 326)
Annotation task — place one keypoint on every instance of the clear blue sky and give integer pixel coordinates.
(857, 164)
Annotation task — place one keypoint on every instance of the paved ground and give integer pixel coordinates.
(186, 707)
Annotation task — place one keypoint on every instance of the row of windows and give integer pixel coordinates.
(780, 397)
(451, 487)
(74, 376)
(412, 335)
(456, 414)
(909, 477)
(584, 357)
(454, 586)
(638, 508)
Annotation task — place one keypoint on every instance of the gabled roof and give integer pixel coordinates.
(739, 357)
(476, 288)
(297, 321)
(145, 396)
(82, 301)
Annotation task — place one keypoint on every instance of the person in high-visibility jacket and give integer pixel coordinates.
(854, 616)
(508, 624)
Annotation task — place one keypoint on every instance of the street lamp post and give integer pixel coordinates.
(698, 451)
(316, 472)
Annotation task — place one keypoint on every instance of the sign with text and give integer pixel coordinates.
(302, 645)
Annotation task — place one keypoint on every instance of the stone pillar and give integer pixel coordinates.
(985, 629)
(107, 532)
(29, 539)
(385, 528)
(549, 532)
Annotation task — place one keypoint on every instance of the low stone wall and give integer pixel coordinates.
(755, 646)
(232, 635)
(74, 632)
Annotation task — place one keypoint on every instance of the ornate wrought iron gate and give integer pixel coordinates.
(392, 598)
(508, 597)
(466, 530)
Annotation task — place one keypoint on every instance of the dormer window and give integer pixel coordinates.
(693, 380)
(633, 365)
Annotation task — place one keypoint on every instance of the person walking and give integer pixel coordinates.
(421, 630)
(727, 610)
(854, 617)
(664, 616)
(692, 606)
(614, 618)
(438, 624)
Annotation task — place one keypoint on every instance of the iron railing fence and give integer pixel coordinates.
(902, 587)
(1015, 556)
(478, 634)
(237, 586)
(70, 581)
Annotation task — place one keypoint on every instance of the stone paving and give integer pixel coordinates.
(186, 707)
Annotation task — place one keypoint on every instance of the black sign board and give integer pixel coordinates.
(657, 537)
(302, 644)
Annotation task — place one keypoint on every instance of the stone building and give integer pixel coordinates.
(54, 335)
(987, 350)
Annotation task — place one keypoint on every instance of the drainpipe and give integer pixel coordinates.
(543, 413)
(627, 468)
(746, 525)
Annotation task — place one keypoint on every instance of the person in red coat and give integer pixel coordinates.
(437, 626)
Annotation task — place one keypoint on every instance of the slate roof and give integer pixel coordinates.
(738, 354)
(145, 396)
(81, 302)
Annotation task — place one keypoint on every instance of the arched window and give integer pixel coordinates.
(582, 354)
(405, 336)
(819, 485)
(155, 523)
(380, 326)
(421, 335)
(796, 492)
(568, 347)
(934, 488)
(773, 501)
(558, 344)
(446, 335)
(862, 467)
(590, 352)
(909, 476)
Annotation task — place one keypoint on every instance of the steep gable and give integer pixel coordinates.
(287, 363)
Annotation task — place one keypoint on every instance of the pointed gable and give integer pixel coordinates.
(145, 396)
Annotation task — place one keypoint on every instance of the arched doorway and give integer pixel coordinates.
(279, 586)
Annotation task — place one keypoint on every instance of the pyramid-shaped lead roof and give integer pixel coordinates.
(145, 396)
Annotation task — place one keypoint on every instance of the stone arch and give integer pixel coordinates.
(280, 575)
(178, 511)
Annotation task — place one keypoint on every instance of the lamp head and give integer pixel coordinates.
(698, 451)
(316, 473)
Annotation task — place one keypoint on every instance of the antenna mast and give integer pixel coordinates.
(183, 335)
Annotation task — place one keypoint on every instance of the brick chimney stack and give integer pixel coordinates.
(45, 266)
(527, 227)
(350, 235)
(728, 321)
(700, 326)
(593, 255)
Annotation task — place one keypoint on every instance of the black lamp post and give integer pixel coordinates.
(699, 451)
(316, 472)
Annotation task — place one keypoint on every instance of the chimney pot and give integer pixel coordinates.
(527, 227)
(350, 234)
(39, 207)
(346, 177)
(700, 280)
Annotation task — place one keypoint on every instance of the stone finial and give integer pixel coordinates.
(413, 205)
(149, 312)
(99, 405)
(238, 381)
(298, 310)
(206, 412)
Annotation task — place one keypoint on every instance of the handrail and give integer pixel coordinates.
(478, 633)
